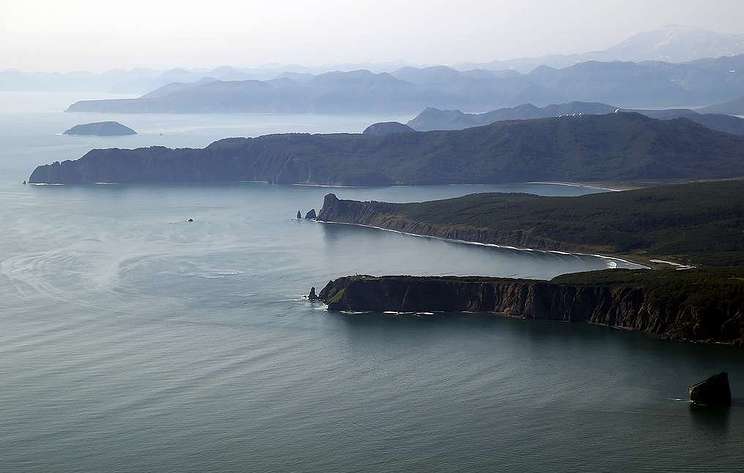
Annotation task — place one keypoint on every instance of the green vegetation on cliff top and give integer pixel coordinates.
(701, 223)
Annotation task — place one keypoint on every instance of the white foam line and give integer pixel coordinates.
(490, 245)
(680, 267)
(575, 184)
(330, 186)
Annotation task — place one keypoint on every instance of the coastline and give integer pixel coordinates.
(610, 257)
(653, 303)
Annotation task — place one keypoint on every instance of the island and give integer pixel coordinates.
(108, 128)
(616, 146)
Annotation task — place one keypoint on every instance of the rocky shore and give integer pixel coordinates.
(685, 306)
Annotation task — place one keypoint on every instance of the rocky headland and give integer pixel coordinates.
(697, 223)
(692, 306)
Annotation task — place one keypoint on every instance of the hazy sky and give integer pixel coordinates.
(101, 34)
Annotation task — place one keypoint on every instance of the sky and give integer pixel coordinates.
(65, 35)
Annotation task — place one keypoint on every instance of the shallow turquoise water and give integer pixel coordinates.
(133, 341)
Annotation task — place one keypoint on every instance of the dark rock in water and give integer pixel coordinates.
(312, 296)
(388, 128)
(311, 215)
(24, 183)
(190, 220)
(713, 392)
(299, 215)
(101, 129)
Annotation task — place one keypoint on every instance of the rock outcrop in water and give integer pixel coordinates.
(101, 129)
(311, 215)
(665, 306)
(713, 392)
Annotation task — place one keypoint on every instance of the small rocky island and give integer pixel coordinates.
(108, 128)
(712, 392)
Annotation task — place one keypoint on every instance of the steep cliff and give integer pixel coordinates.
(692, 306)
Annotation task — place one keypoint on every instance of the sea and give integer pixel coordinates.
(134, 341)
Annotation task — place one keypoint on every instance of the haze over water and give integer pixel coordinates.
(133, 341)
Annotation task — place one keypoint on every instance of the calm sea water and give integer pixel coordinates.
(132, 341)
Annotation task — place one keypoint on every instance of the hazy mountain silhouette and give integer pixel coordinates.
(672, 43)
(435, 119)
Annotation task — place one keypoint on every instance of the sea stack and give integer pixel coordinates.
(312, 296)
(311, 215)
(299, 215)
(713, 392)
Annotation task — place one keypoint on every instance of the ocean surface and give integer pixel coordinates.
(133, 341)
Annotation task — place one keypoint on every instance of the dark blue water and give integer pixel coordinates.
(133, 341)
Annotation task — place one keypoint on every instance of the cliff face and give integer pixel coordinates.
(636, 307)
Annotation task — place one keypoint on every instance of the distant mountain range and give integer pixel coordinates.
(672, 43)
(408, 90)
(435, 119)
(619, 146)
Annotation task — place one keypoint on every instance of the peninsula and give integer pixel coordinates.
(697, 223)
(697, 305)
(617, 146)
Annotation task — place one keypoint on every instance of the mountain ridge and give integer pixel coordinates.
(434, 119)
(627, 84)
(620, 146)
